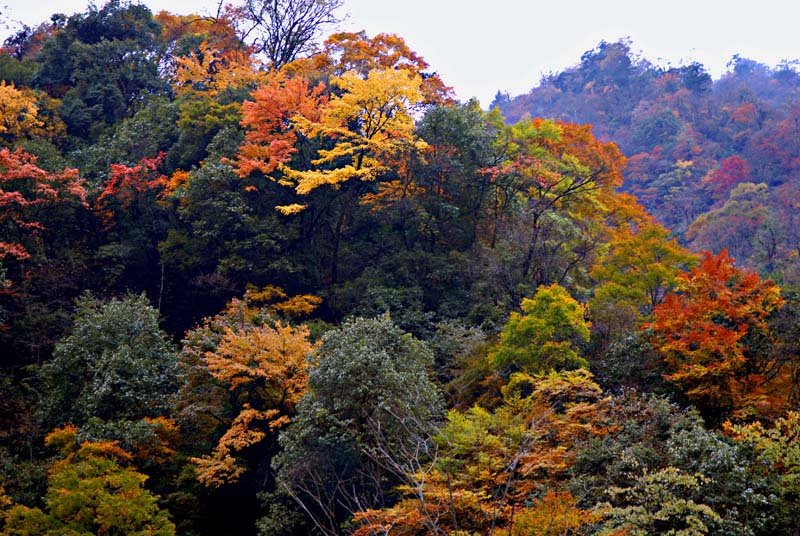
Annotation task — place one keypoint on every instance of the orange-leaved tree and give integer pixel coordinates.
(261, 362)
(271, 138)
(713, 337)
(500, 472)
(127, 186)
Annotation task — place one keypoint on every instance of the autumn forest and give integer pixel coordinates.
(260, 277)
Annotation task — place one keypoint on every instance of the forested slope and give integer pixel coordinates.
(261, 288)
(715, 160)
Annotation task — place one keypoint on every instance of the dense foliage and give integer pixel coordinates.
(714, 160)
(251, 283)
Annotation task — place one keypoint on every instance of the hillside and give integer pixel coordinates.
(715, 160)
(257, 282)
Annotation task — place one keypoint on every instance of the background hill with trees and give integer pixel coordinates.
(714, 160)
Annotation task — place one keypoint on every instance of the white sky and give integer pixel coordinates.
(480, 47)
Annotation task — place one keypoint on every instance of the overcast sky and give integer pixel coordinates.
(480, 47)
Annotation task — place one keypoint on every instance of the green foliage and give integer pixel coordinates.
(369, 403)
(16, 70)
(453, 343)
(151, 130)
(630, 361)
(463, 139)
(662, 462)
(735, 226)
(383, 372)
(657, 504)
(99, 63)
(91, 491)
(115, 364)
(225, 236)
(545, 336)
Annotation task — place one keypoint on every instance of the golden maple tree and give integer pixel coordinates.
(266, 370)
(370, 122)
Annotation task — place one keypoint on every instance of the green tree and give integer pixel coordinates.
(657, 504)
(369, 404)
(778, 445)
(225, 235)
(661, 465)
(99, 63)
(735, 226)
(456, 191)
(545, 336)
(116, 364)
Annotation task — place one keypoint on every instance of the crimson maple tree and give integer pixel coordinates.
(25, 189)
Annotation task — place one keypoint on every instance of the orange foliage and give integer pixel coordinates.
(161, 450)
(271, 137)
(277, 302)
(489, 465)
(276, 358)
(177, 180)
(268, 367)
(211, 70)
(65, 439)
(745, 113)
(218, 31)
(128, 183)
(604, 159)
(554, 514)
(703, 331)
(356, 52)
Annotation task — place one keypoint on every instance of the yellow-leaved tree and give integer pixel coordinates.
(370, 123)
(92, 489)
(331, 150)
(210, 70)
(267, 366)
(18, 112)
(27, 113)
